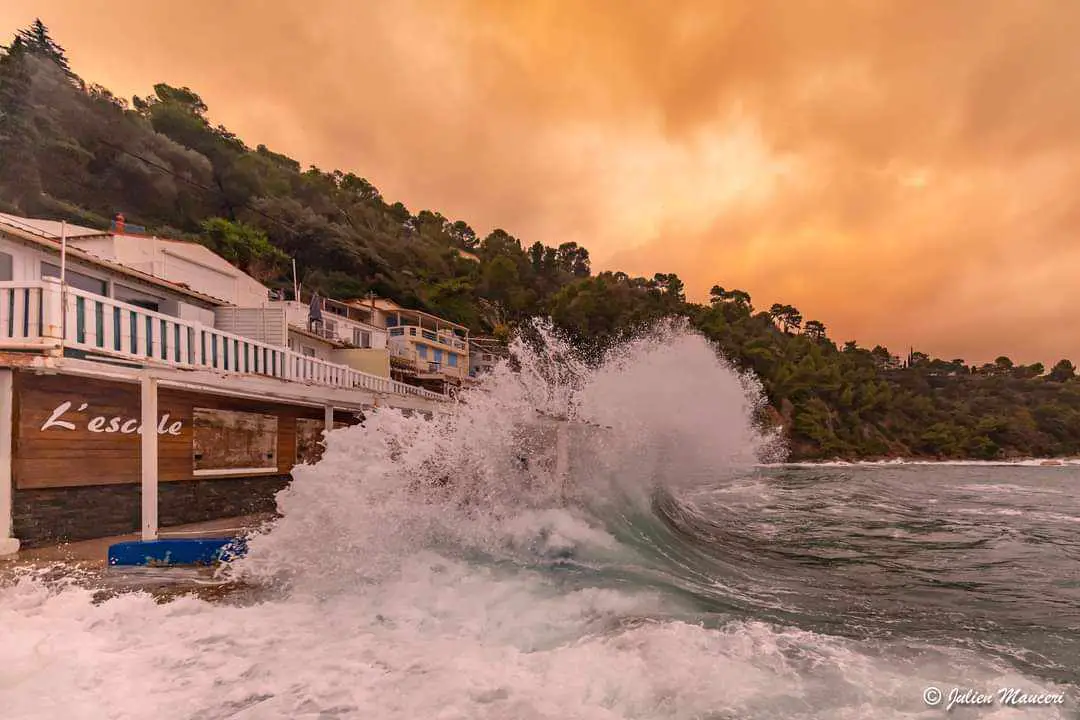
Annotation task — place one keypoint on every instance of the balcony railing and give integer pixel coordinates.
(451, 341)
(33, 315)
(407, 351)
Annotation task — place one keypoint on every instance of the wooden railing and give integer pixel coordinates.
(34, 315)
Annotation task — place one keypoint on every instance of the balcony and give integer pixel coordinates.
(448, 340)
(335, 327)
(426, 368)
(35, 317)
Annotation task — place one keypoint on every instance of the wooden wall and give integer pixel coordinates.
(94, 439)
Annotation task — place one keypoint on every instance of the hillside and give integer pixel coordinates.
(73, 150)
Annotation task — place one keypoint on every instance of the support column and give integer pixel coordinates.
(328, 417)
(9, 544)
(149, 457)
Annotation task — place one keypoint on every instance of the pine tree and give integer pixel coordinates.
(36, 39)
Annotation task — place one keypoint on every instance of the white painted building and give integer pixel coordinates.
(29, 252)
(180, 262)
(179, 302)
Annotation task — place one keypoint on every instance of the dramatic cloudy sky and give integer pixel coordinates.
(906, 172)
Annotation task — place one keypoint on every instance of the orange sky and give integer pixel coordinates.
(906, 172)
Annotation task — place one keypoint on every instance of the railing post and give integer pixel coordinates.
(149, 457)
(52, 312)
(9, 544)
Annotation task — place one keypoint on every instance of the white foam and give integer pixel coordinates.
(404, 596)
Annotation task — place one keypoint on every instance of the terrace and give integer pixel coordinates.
(49, 318)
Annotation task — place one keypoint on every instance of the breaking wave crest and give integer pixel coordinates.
(662, 413)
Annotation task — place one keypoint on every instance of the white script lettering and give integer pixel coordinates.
(103, 424)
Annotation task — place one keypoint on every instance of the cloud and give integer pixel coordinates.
(902, 172)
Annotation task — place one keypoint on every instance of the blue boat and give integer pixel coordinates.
(177, 551)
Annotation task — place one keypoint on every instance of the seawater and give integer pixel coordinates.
(455, 567)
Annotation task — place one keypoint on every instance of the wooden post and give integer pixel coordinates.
(8, 543)
(149, 456)
(328, 417)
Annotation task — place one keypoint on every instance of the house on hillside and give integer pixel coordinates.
(424, 348)
(329, 329)
(484, 354)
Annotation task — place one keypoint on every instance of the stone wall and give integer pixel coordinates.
(64, 514)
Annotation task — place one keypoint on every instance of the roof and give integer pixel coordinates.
(32, 232)
(489, 345)
(386, 304)
(48, 228)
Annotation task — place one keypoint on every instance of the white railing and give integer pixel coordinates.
(443, 338)
(32, 315)
(22, 316)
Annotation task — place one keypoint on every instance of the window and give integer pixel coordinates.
(331, 327)
(76, 279)
(361, 338)
(136, 298)
(307, 351)
(421, 350)
(5, 267)
(451, 358)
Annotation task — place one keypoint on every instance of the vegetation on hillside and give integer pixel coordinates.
(73, 150)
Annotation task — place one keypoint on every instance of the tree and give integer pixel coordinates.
(1027, 372)
(789, 318)
(1063, 371)
(918, 359)
(670, 286)
(164, 94)
(36, 39)
(815, 329)
(463, 235)
(573, 259)
(740, 298)
(244, 246)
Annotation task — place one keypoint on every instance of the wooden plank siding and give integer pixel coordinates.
(66, 456)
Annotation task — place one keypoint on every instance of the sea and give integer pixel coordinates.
(601, 541)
